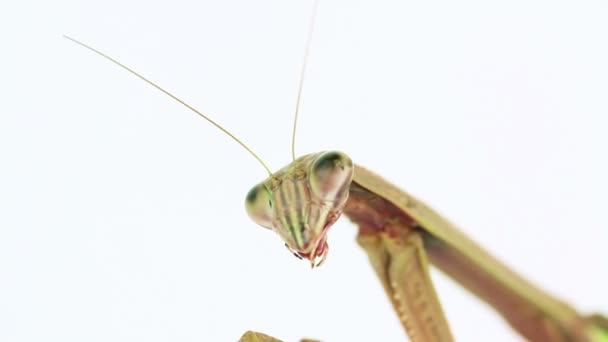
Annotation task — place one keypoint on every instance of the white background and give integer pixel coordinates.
(121, 213)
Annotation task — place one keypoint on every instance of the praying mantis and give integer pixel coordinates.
(401, 235)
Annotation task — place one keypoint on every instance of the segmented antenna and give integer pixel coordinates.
(302, 73)
(173, 97)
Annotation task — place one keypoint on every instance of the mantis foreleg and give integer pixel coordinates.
(401, 264)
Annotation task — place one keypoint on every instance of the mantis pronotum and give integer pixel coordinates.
(423, 228)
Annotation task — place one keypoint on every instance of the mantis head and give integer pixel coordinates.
(301, 201)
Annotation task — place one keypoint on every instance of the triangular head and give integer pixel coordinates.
(301, 201)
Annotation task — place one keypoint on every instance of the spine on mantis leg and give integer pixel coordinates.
(400, 262)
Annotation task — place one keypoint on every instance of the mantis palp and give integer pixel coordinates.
(400, 233)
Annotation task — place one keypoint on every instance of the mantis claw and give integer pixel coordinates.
(323, 257)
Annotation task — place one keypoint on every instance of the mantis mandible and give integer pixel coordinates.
(401, 236)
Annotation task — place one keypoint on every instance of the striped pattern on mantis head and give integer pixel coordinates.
(301, 201)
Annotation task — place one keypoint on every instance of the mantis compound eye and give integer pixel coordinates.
(259, 205)
(330, 175)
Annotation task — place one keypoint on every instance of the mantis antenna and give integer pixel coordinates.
(311, 27)
(173, 97)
